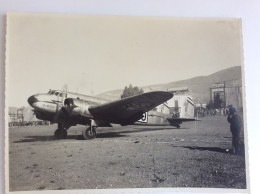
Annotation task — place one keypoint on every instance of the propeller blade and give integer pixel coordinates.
(64, 92)
(60, 108)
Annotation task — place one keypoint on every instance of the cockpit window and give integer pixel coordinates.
(57, 93)
(51, 92)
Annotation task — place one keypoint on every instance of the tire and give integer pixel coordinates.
(87, 134)
(60, 134)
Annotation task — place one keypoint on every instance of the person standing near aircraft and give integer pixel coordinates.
(235, 128)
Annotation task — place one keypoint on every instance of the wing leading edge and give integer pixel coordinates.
(128, 110)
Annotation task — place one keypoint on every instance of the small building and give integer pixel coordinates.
(217, 91)
(180, 105)
(228, 92)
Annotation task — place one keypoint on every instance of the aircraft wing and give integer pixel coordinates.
(128, 110)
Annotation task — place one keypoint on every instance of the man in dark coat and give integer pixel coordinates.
(235, 128)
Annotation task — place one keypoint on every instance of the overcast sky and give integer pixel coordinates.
(94, 54)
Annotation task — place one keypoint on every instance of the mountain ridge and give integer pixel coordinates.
(198, 86)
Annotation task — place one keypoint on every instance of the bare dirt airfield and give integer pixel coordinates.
(126, 157)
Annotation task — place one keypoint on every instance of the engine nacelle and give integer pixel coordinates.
(76, 107)
(44, 116)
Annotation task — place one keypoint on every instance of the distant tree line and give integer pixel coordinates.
(131, 91)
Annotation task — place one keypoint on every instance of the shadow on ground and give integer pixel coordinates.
(75, 137)
(99, 135)
(42, 138)
(213, 149)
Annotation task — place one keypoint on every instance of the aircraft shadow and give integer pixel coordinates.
(111, 134)
(29, 139)
(43, 138)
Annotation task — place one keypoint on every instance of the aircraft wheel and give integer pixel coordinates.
(60, 134)
(178, 126)
(88, 133)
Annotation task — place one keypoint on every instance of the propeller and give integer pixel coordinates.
(64, 93)
(32, 115)
(60, 107)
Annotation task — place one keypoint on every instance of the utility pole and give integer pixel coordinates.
(224, 94)
(20, 114)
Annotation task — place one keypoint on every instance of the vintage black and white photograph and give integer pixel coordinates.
(120, 102)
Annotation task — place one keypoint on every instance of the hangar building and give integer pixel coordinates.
(229, 92)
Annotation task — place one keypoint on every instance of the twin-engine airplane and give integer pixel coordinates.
(69, 109)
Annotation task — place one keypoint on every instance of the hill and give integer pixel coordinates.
(198, 86)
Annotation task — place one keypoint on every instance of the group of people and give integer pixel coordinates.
(202, 112)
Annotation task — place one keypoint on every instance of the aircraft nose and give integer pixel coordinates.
(32, 99)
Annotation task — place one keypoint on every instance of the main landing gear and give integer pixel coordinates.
(176, 125)
(61, 132)
(89, 133)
